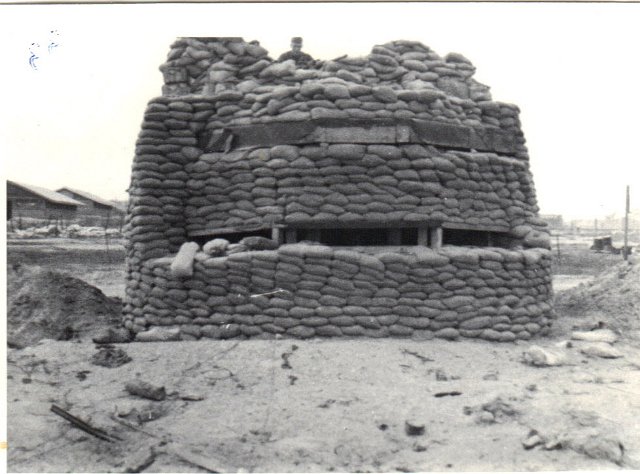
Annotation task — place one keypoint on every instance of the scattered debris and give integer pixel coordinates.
(418, 448)
(145, 390)
(327, 403)
(149, 412)
(490, 376)
(539, 357)
(192, 397)
(583, 418)
(485, 417)
(598, 335)
(82, 425)
(601, 349)
(413, 428)
(292, 379)
(597, 445)
(182, 451)
(140, 459)
(109, 356)
(207, 463)
(383, 426)
(285, 357)
(82, 374)
(142, 413)
(331, 401)
(500, 409)
(532, 440)
(441, 376)
(453, 393)
(422, 358)
(495, 411)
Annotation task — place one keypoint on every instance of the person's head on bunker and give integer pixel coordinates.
(296, 44)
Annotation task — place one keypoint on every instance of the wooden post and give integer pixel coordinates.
(625, 250)
(436, 237)
(277, 235)
(558, 245)
(395, 237)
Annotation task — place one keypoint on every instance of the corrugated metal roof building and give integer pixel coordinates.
(28, 201)
(96, 210)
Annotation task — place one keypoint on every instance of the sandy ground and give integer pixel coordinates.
(324, 405)
(341, 406)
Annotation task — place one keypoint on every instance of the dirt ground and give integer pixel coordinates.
(325, 405)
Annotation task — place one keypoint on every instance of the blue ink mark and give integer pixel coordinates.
(34, 57)
(52, 42)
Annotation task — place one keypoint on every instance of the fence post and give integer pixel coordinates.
(625, 250)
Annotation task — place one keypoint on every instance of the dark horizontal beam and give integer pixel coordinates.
(374, 131)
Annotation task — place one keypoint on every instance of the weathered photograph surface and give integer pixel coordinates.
(317, 238)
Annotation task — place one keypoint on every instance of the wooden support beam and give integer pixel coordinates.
(436, 238)
(277, 235)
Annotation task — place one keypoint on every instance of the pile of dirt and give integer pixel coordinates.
(45, 304)
(611, 299)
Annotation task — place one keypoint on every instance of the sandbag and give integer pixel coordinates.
(182, 265)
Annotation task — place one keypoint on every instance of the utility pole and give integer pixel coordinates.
(625, 250)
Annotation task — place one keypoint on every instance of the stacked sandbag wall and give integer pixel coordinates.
(303, 291)
(354, 184)
(400, 79)
(184, 186)
(155, 224)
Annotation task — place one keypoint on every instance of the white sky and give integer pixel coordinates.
(573, 69)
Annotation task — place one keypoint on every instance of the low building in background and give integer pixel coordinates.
(27, 203)
(96, 210)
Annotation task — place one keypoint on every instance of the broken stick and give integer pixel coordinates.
(182, 451)
(84, 426)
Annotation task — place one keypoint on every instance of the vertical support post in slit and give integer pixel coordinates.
(394, 236)
(489, 239)
(290, 236)
(423, 235)
(436, 237)
(277, 235)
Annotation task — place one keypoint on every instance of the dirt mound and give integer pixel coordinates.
(48, 305)
(612, 298)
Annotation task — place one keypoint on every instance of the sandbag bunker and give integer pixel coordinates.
(386, 195)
